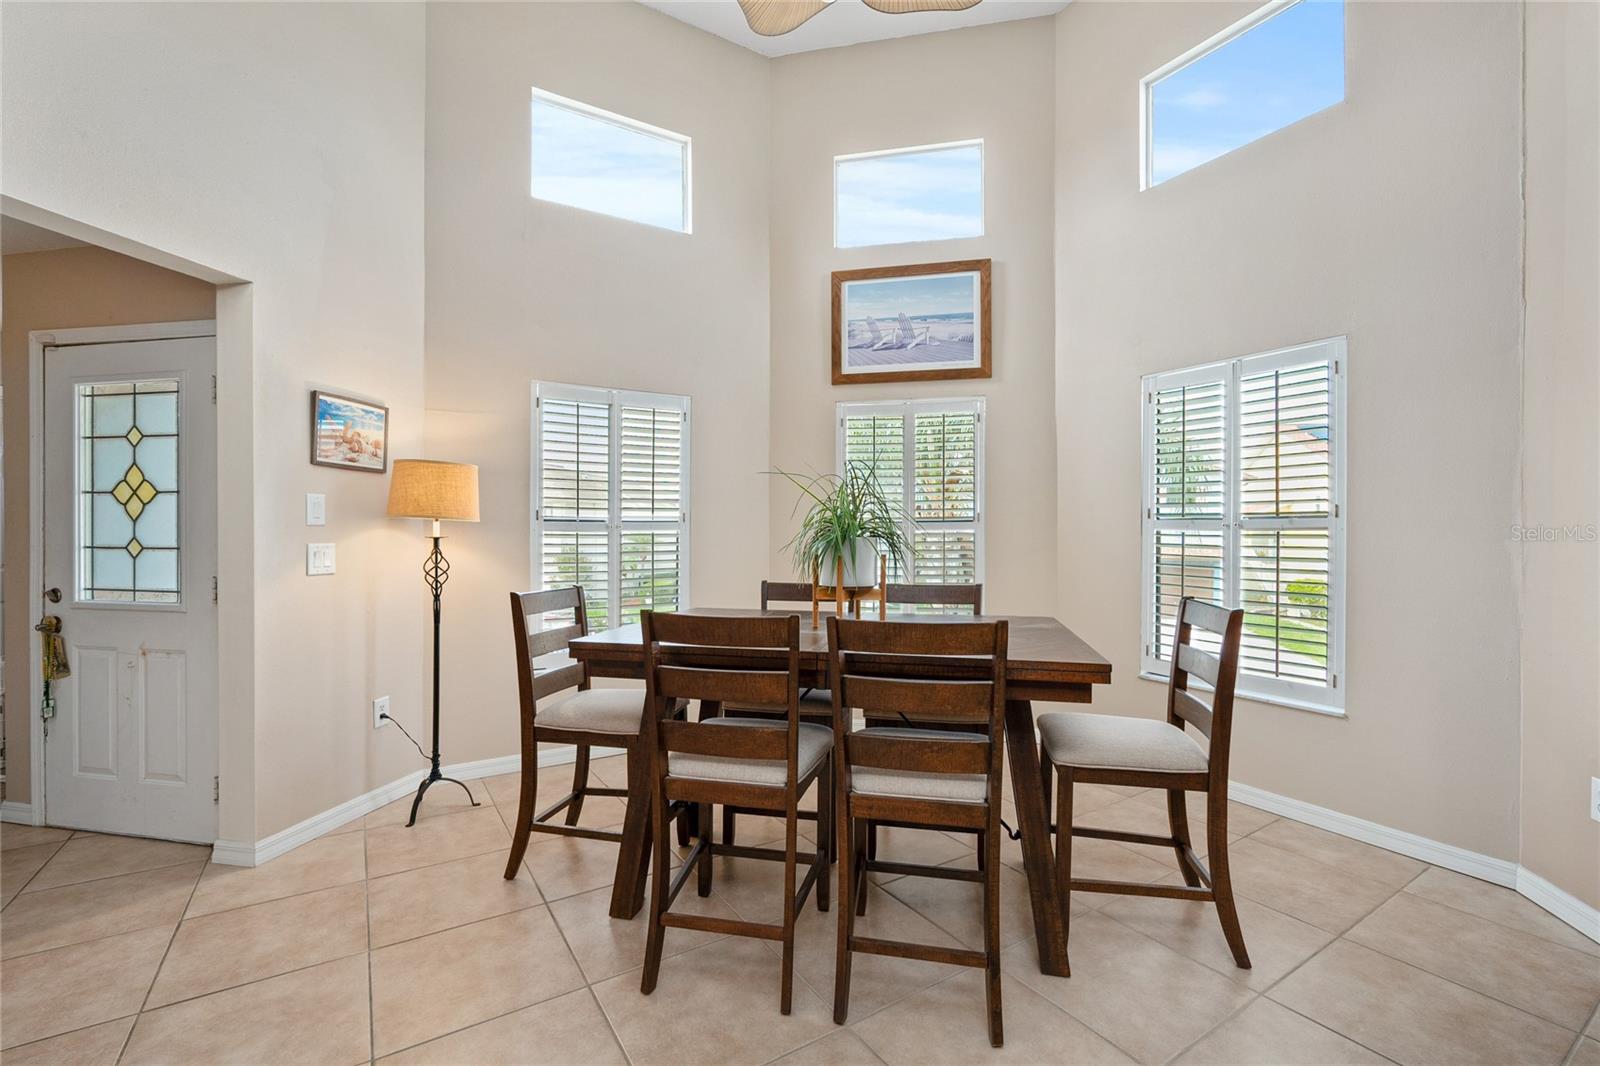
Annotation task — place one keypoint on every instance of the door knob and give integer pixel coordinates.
(53, 595)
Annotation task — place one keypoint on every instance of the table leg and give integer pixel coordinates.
(633, 853)
(1023, 749)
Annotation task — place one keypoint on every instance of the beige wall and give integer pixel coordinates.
(997, 84)
(520, 290)
(65, 289)
(1393, 218)
(1561, 450)
(281, 144)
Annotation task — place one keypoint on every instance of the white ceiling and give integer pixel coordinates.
(19, 236)
(844, 22)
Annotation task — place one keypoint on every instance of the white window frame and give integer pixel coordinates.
(983, 198)
(632, 125)
(907, 410)
(614, 525)
(1211, 44)
(1329, 699)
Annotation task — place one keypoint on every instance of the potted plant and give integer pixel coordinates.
(850, 518)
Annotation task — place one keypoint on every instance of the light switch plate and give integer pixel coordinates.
(319, 559)
(316, 509)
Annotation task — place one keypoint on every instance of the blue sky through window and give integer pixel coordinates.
(599, 165)
(909, 196)
(1274, 74)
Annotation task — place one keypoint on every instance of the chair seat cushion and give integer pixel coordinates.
(814, 742)
(1112, 742)
(599, 710)
(911, 784)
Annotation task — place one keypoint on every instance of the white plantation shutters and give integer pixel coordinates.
(1243, 492)
(927, 454)
(611, 501)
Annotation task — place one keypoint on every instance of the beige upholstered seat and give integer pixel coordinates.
(1117, 743)
(600, 710)
(814, 742)
(953, 788)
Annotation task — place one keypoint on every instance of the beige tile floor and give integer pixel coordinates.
(381, 943)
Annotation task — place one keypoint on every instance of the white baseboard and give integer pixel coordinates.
(244, 853)
(1571, 910)
(1471, 863)
(1559, 902)
(19, 813)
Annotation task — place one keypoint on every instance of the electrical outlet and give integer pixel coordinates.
(380, 709)
(1594, 798)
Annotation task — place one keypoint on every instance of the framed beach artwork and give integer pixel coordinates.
(348, 433)
(928, 322)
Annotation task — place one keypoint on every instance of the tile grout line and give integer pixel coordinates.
(372, 996)
(24, 886)
(156, 976)
(93, 939)
(105, 877)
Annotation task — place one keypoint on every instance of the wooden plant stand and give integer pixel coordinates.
(851, 596)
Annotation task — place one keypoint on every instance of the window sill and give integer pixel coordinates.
(1259, 697)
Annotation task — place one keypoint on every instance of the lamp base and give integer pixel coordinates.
(433, 776)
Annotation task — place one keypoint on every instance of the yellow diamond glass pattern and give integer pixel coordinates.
(128, 487)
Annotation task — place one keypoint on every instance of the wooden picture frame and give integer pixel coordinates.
(349, 434)
(932, 329)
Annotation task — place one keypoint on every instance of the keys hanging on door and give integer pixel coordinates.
(53, 665)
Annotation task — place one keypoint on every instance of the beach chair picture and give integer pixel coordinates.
(927, 322)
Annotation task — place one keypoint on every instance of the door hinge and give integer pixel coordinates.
(213, 388)
(213, 588)
(216, 789)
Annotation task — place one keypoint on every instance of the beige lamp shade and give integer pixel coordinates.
(424, 488)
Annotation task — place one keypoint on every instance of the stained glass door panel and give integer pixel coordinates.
(128, 529)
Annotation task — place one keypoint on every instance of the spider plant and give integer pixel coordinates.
(844, 510)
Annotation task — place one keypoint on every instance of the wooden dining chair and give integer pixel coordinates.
(589, 717)
(950, 673)
(1144, 753)
(948, 595)
(756, 764)
(816, 704)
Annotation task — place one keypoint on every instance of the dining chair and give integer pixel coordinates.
(1145, 753)
(946, 595)
(950, 673)
(816, 704)
(606, 717)
(753, 763)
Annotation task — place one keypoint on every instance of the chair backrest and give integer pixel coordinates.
(935, 671)
(1219, 669)
(872, 328)
(785, 592)
(748, 661)
(940, 595)
(534, 682)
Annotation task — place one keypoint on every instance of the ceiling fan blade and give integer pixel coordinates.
(901, 7)
(773, 18)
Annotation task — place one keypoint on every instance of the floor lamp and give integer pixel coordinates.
(439, 492)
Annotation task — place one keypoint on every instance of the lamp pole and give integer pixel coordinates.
(436, 571)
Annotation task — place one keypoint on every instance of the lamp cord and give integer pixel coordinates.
(409, 737)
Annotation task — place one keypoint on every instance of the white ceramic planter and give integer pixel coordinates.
(860, 566)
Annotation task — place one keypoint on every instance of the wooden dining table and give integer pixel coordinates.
(1046, 661)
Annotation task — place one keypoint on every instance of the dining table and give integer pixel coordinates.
(1045, 662)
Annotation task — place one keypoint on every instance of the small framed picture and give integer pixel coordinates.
(348, 433)
(928, 322)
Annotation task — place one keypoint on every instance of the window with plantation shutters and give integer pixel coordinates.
(929, 455)
(611, 498)
(1243, 506)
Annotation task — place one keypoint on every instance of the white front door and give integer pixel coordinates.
(130, 543)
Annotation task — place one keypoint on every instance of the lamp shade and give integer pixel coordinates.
(424, 488)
